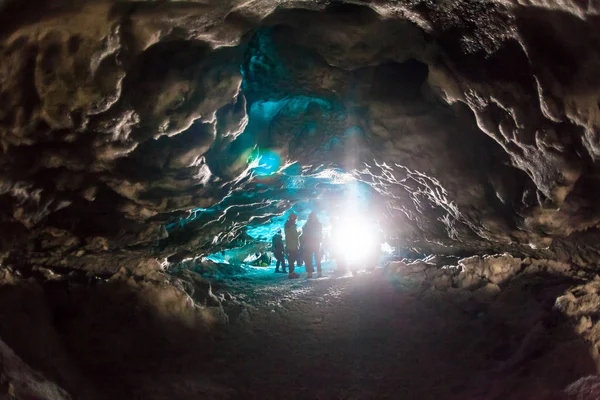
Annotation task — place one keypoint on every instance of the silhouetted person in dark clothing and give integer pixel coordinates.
(265, 260)
(262, 259)
(278, 251)
(312, 236)
(292, 244)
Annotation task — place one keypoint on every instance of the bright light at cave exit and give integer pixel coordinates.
(355, 238)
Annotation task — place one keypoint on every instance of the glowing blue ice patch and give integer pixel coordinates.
(266, 110)
(265, 231)
(264, 162)
(217, 258)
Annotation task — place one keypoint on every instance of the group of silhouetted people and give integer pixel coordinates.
(300, 248)
(308, 248)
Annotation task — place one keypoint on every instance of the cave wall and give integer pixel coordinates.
(475, 123)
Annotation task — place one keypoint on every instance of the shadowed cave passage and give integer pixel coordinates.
(150, 151)
(376, 335)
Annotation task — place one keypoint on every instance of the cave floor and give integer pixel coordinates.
(371, 337)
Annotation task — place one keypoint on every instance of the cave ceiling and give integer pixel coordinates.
(139, 127)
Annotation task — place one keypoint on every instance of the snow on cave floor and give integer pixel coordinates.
(371, 337)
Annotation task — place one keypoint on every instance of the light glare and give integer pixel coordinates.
(355, 239)
(386, 248)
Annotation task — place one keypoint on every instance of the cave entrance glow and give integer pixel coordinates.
(301, 150)
(352, 234)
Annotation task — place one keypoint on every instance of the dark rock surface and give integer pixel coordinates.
(378, 335)
(132, 134)
(474, 123)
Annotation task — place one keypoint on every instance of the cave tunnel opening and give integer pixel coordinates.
(303, 145)
(351, 232)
